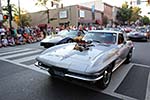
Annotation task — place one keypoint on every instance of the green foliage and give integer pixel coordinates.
(128, 14)
(42, 3)
(145, 20)
(136, 11)
(124, 15)
(25, 19)
(14, 9)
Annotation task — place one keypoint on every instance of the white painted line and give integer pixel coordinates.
(21, 54)
(25, 59)
(148, 89)
(32, 67)
(123, 97)
(10, 52)
(141, 65)
(117, 78)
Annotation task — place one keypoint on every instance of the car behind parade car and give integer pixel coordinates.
(139, 34)
(93, 59)
(64, 36)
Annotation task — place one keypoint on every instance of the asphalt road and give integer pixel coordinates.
(21, 80)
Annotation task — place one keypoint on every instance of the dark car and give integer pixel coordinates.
(64, 36)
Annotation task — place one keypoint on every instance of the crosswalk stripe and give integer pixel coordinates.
(25, 54)
(24, 59)
(29, 62)
(32, 67)
(14, 52)
(6, 50)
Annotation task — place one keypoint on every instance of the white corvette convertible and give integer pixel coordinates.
(92, 59)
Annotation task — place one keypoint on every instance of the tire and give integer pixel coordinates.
(129, 57)
(69, 41)
(104, 82)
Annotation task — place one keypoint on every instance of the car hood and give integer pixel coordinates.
(136, 33)
(65, 56)
(53, 38)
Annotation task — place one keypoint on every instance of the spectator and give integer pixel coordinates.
(11, 41)
(4, 41)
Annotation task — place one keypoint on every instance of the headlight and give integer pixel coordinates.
(145, 34)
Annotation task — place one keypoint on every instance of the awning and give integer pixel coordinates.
(98, 21)
(42, 25)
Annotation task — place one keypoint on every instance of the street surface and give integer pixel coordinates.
(21, 80)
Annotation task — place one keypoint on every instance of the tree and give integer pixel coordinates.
(136, 11)
(145, 20)
(25, 18)
(125, 13)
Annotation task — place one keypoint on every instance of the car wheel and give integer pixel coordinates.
(104, 82)
(129, 57)
(69, 41)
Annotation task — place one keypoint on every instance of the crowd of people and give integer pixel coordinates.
(19, 36)
(23, 35)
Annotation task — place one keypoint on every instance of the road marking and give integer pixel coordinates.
(18, 61)
(21, 54)
(11, 52)
(117, 77)
(141, 65)
(25, 59)
(29, 67)
(148, 89)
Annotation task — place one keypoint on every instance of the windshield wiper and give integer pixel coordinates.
(97, 41)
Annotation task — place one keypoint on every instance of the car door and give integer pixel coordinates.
(122, 47)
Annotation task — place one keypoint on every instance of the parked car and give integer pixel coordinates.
(93, 59)
(139, 34)
(64, 36)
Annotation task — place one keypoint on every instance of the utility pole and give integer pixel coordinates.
(19, 13)
(10, 14)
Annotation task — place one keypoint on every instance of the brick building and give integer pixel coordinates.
(70, 15)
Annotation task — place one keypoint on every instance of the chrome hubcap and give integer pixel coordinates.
(106, 77)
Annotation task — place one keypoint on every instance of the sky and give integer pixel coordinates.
(29, 5)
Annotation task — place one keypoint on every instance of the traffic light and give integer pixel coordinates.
(5, 17)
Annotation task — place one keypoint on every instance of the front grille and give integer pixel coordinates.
(65, 71)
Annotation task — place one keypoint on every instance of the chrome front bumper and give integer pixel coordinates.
(75, 76)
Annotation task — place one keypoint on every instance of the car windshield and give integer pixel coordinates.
(101, 37)
(72, 33)
(113, 29)
(141, 30)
